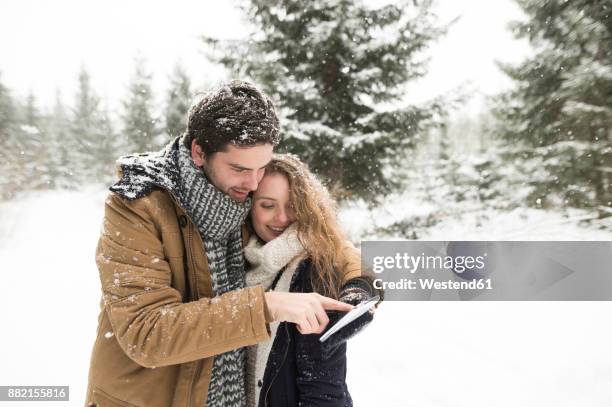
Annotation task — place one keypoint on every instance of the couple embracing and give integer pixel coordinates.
(221, 264)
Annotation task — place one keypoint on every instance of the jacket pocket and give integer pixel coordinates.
(103, 399)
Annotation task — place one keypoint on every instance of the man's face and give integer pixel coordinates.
(235, 171)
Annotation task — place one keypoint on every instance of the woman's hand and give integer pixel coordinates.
(306, 310)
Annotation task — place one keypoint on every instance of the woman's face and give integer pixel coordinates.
(271, 213)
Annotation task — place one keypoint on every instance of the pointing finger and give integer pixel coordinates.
(331, 304)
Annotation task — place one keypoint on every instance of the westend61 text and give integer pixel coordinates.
(432, 284)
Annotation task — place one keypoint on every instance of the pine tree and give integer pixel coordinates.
(85, 130)
(7, 113)
(448, 167)
(108, 149)
(337, 71)
(96, 142)
(560, 108)
(139, 124)
(35, 151)
(178, 102)
(11, 148)
(59, 144)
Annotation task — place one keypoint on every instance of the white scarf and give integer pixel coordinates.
(268, 259)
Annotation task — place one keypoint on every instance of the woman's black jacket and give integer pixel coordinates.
(302, 371)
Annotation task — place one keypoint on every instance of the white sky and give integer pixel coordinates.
(43, 44)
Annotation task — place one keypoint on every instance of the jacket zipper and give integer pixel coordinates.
(195, 296)
(282, 363)
(195, 293)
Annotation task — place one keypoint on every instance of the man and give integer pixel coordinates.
(175, 315)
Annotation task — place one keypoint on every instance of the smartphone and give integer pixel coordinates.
(350, 316)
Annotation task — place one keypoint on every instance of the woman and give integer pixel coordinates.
(298, 246)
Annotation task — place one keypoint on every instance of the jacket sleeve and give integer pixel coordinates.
(149, 319)
(320, 381)
(321, 366)
(352, 272)
(354, 292)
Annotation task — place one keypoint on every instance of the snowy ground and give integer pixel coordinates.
(414, 354)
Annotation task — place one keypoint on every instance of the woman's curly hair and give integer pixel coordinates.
(317, 224)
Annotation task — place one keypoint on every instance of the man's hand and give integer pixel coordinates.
(306, 310)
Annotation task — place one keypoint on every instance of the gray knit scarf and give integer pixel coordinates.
(219, 219)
